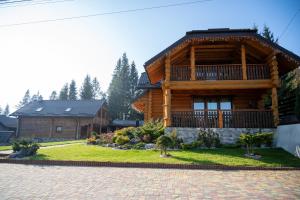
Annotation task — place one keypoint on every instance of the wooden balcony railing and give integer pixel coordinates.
(223, 119)
(220, 72)
(258, 71)
(180, 73)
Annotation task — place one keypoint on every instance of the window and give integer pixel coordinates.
(212, 105)
(198, 105)
(225, 105)
(68, 109)
(59, 129)
(39, 109)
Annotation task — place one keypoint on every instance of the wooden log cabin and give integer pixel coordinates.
(215, 78)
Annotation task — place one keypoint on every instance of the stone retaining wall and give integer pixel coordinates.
(227, 135)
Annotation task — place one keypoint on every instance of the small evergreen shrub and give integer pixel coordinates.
(209, 138)
(28, 147)
(140, 145)
(121, 140)
(106, 138)
(163, 142)
(91, 140)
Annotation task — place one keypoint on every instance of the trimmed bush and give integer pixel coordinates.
(28, 147)
(106, 138)
(209, 138)
(163, 142)
(121, 140)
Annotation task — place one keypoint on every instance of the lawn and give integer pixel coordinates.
(46, 144)
(229, 157)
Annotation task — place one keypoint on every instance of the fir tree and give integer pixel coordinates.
(121, 90)
(73, 91)
(37, 97)
(97, 94)
(6, 110)
(64, 92)
(86, 92)
(53, 95)
(266, 33)
(26, 99)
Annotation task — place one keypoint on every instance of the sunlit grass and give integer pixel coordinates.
(229, 157)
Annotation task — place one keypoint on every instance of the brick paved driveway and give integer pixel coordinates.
(55, 182)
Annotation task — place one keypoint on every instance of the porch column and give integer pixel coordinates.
(244, 64)
(193, 67)
(167, 107)
(77, 128)
(275, 81)
(149, 105)
(275, 106)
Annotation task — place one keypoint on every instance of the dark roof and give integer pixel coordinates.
(125, 123)
(144, 82)
(8, 122)
(59, 108)
(223, 32)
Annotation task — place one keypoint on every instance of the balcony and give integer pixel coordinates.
(223, 119)
(220, 72)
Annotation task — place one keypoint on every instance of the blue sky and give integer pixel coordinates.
(42, 57)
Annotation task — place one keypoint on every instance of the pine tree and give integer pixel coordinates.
(6, 110)
(53, 95)
(26, 99)
(114, 91)
(97, 94)
(121, 90)
(266, 33)
(73, 91)
(86, 92)
(37, 97)
(64, 92)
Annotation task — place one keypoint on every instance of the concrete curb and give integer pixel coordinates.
(141, 165)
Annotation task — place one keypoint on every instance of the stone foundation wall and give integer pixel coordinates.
(227, 135)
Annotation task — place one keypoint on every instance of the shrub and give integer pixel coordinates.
(163, 142)
(91, 140)
(153, 128)
(94, 134)
(176, 141)
(248, 140)
(106, 138)
(146, 138)
(129, 132)
(265, 138)
(121, 140)
(28, 147)
(209, 138)
(193, 145)
(140, 145)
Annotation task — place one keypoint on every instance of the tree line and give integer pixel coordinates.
(121, 92)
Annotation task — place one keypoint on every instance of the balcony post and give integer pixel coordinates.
(167, 107)
(220, 119)
(193, 67)
(275, 106)
(244, 64)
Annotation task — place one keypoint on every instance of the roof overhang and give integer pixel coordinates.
(287, 60)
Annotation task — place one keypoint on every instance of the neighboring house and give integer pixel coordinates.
(215, 78)
(8, 123)
(119, 123)
(8, 126)
(61, 118)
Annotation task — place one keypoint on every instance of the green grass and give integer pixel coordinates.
(46, 144)
(229, 157)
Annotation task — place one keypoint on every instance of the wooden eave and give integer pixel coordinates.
(258, 48)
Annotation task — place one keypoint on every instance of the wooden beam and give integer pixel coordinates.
(193, 62)
(219, 85)
(167, 107)
(275, 106)
(274, 70)
(167, 68)
(220, 119)
(244, 64)
(149, 105)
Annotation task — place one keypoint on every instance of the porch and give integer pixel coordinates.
(246, 118)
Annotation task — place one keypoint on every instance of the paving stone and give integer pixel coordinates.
(58, 182)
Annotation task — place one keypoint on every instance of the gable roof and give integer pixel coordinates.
(8, 122)
(144, 82)
(225, 34)
(61, 108)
